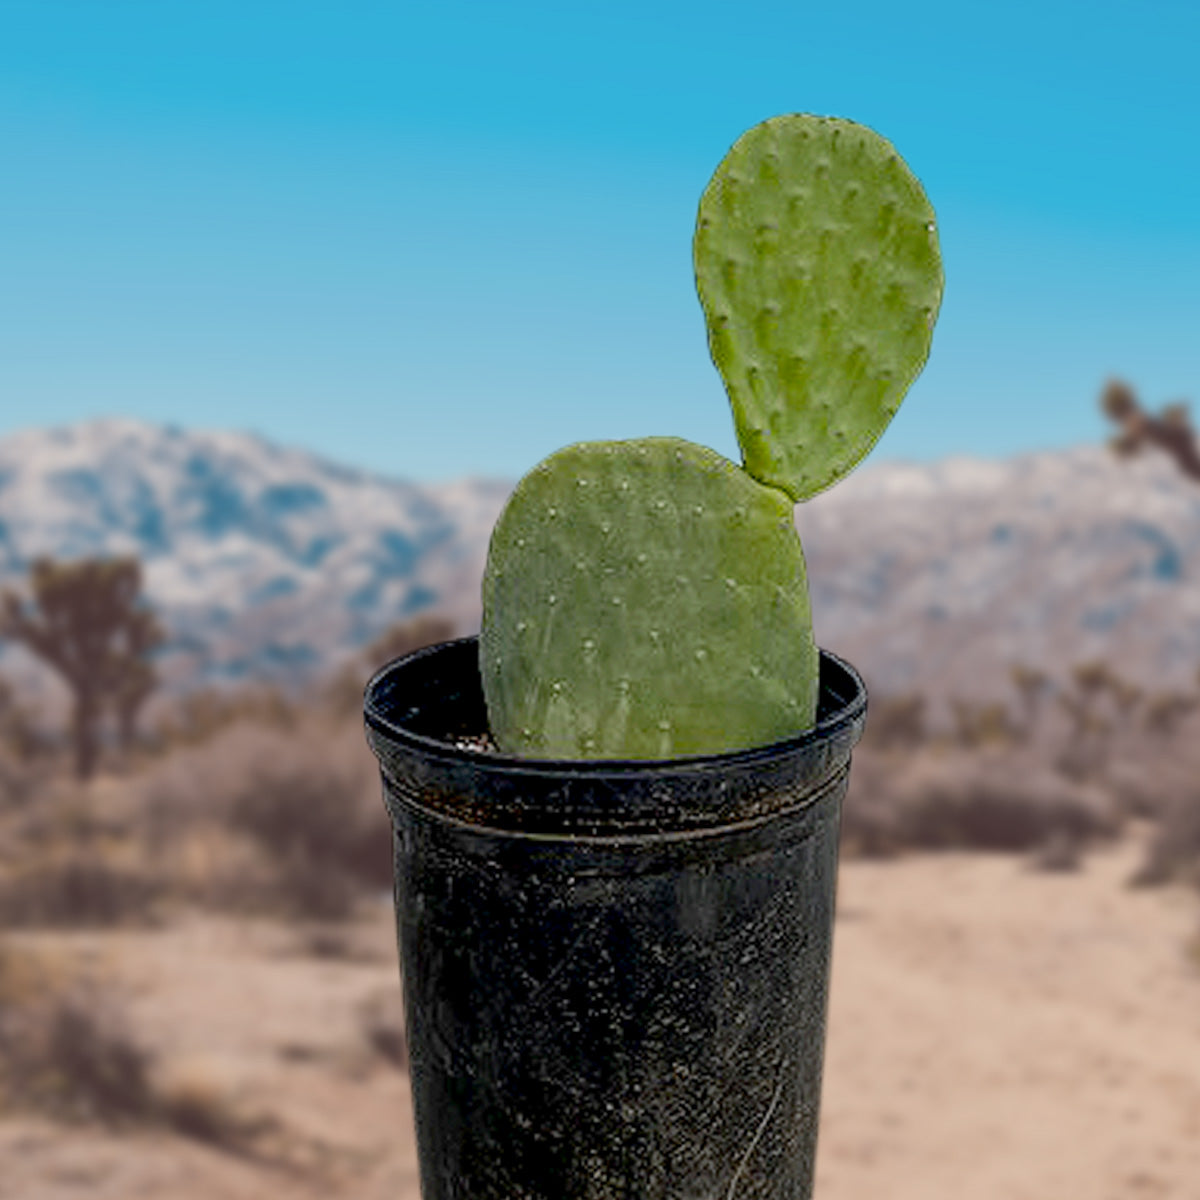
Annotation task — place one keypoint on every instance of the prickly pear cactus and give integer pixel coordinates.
(645, 599)
(648, 599)
(818, 269)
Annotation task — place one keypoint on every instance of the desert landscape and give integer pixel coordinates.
(330, 332)
(995, 1032)
(199, 992)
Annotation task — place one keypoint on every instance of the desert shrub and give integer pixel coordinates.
(76, 856)
(1165, 712)
(199, 716)
(193, 1100)
(1061, 852)
(79, 887)
(979, 724)
(1174, 849)
(68, 1050)
(411, 634)
(986, 800)
(65, 1048)
(897, 721)
(93, 1065)
(305, 800)
(308, 817)
(21, 780)
(870, 817)
(992, 801)
(342, 692)
(1153, 785)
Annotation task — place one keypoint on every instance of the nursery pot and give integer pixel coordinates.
(615, 973)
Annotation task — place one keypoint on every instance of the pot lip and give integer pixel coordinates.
(846, 721)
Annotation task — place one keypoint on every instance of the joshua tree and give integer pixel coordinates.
(1032, 686)
(138, 679)
(1091, 730)
(1171, 431)
(1166, 710)
(980, 724)
(86, 623)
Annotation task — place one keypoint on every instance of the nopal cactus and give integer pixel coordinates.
(818, 269)
(648, 598)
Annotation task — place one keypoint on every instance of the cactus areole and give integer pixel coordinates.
(647, 599)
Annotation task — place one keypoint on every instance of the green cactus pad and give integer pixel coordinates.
(645, 599)
(818, 269)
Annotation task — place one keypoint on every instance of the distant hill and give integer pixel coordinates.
(264, 562)
(939, 576)
(273, 563)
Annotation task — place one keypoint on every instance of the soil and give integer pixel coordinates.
(997, 1032)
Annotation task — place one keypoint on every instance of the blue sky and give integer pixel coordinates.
(437, 240)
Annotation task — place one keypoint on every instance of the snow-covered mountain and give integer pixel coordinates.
(272, 563)
(940, 576)
(263, 562)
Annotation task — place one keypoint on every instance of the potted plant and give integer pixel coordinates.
(616, 811)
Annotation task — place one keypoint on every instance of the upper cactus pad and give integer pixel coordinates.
(818, 269)
(645, 599)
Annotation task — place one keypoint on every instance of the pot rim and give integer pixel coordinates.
(845, 722)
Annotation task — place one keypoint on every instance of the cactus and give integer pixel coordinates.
(645, 599)
(648, 598)
(818, 270)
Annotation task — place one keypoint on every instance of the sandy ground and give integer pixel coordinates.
(996, 1033)
(1001, 1034)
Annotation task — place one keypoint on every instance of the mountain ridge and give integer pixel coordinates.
(273, 563)
(265, 562)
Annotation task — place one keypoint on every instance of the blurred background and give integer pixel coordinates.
(292, 296)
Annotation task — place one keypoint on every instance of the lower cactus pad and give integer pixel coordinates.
(645, 599)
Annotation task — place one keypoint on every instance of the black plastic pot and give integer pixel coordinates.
(615, 973)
